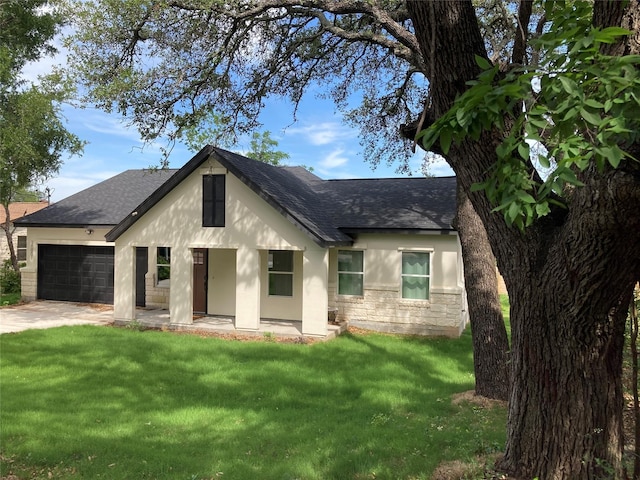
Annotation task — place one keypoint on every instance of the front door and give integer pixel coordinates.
(142, 264)
(200, 280)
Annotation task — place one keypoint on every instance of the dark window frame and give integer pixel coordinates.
(213, 200)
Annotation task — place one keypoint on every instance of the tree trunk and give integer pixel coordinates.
(633, 346)
(569, 276)
(490, 341)
(8, 231)
(565, 410)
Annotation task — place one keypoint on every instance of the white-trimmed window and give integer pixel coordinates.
(416, 275)
(21, 250)
(281, 273)
(350, 272)
(163, 266)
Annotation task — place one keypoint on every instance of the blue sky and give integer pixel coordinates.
(317, 139)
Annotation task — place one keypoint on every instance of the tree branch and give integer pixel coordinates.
(522, 29)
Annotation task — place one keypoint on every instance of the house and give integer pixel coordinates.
(17, 210)
(229, 236)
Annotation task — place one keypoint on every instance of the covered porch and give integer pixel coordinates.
(224, 325)
(282, 289)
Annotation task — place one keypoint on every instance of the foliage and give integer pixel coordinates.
(168, 66)
(9, 299)
(210, 130)
(164, 273)
(33, 137)
(581, 104)
(26, 28)
(262, 149)
(26, 195)
(9, 279)
(83, 402)
(213, 130)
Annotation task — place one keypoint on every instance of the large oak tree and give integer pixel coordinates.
(571, 267)
(167, 64)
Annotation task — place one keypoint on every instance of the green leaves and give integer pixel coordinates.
(581, 108)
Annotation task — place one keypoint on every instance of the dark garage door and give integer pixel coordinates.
(75, 273)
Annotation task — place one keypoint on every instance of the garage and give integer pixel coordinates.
(75, 273)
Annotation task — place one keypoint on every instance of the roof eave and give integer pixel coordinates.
(64, 225)
(403, 231)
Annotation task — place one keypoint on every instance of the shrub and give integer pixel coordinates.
(9, 279)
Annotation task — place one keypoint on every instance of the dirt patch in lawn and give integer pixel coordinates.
(477, 400)
(480, 468)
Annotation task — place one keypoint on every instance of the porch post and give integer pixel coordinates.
(247, 288)
(315, 298)
(124, 283)
(181, 291)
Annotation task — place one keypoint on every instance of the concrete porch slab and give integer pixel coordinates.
(158, 318)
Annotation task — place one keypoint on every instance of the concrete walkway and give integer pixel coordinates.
(48, 314)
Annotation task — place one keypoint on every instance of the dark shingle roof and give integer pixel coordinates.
(392, 203)
(104, 204)
(326, 210)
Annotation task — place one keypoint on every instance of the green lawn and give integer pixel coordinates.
(94, 402)
(9, 299)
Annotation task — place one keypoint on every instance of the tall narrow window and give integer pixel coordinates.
(415, 275)
(163, 266)
(213, 200)
(350, 272)
(281, 273)
(21, 251)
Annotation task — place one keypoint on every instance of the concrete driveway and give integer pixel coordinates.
(47, 314)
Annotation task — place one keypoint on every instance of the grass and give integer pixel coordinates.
(95, 402)
(9, 299)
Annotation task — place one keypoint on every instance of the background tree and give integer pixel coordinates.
(32, 135)
(212, 130)
(227, 57)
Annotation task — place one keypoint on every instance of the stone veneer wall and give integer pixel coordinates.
(4, 245)
(29, 280)
(155, 297)
(382, 309)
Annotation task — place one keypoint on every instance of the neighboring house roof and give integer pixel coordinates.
(20, 209)
(326, 210)
(102, 205)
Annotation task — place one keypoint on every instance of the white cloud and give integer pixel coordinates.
(323, 133)
(333, 160)
(66, 185)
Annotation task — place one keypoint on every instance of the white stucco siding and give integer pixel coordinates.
(251, 224)
(221, 292)
(285, 308)
(250, 221)
(381, 306)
